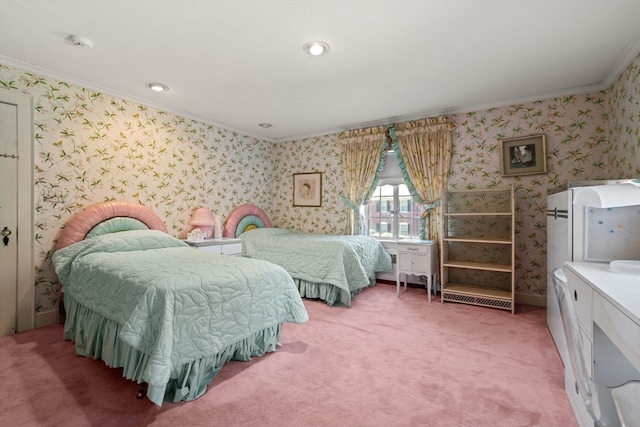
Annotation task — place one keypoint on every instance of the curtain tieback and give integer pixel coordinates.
(349, 203)
(428, 207)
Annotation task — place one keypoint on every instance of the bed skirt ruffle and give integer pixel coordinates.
(97, 337)
(331, 294)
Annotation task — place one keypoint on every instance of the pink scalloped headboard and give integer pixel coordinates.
(81, 223)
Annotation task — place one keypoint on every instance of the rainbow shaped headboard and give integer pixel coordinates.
(83, 222)
(245, 218)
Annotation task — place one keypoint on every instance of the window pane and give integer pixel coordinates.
(383, 228)
(404, 230)
(405, 204)
(385, 219)
(373, 207)
(386, 190)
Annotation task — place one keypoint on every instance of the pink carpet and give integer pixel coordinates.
(386, 361)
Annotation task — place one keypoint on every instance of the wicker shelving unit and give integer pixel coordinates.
(477, 249)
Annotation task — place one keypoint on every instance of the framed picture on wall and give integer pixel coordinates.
(307, 189)
(524, 155)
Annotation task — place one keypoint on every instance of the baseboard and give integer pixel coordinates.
(393, 283)
(528, 299)
(47, 318)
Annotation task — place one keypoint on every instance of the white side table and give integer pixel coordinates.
(418, 257)
(222, 245)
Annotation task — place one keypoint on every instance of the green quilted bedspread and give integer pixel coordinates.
(174, 303)
(348, 262)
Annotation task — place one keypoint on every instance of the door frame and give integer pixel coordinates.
(25, 305)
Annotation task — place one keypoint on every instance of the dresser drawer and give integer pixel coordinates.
(232, 249)
(224, 246)
(215, 249)
(414, 249)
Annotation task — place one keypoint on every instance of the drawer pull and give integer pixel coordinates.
(575, 294)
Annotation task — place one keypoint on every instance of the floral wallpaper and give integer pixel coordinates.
(588, 137)
(577, 147)
(91, 147)
(623, 124)
(319, 154)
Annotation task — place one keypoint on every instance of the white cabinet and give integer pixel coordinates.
(477, 253)
(607, 305)
(582, 299)
(417, 257)
(222, 245)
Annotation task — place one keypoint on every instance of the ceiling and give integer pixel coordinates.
(236, 64)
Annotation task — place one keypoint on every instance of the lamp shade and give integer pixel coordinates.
(203, 219)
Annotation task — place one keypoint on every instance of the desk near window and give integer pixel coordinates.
(418, 257)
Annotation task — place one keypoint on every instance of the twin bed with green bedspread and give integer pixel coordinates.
(170, 315)
(333, 268)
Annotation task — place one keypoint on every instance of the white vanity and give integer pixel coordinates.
(417, 257)
(608, 309)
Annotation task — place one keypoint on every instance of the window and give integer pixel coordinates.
(391, 213)
(404, 229)
(400, 219)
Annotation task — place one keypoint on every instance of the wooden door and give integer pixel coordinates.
(17, 302)
(8, 218)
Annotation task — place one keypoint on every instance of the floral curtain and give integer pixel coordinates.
(423, 148)
(363, 153)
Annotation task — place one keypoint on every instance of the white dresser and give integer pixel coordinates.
(608, 309)
(418, 257)
(222, 245)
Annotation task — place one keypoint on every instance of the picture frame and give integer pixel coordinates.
(523, 155)
(307, 189)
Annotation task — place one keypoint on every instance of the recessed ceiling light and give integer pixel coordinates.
(158, 87)
(316, 48)
(265, 125)
(80, 41)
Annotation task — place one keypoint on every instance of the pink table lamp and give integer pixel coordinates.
(203, 219)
